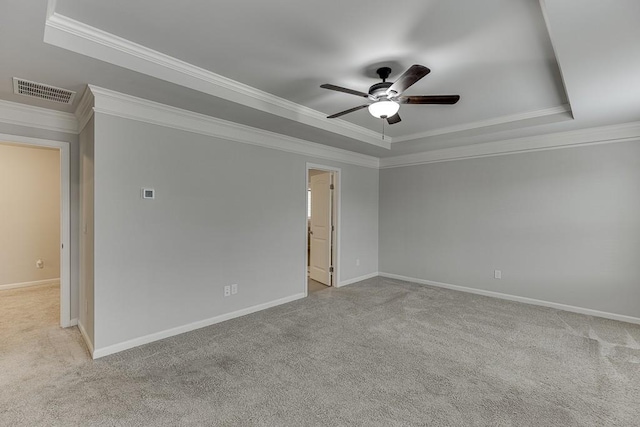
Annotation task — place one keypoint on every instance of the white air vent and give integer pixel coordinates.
(42, 91)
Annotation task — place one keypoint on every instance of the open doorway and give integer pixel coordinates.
(35, 234)
(322, 227)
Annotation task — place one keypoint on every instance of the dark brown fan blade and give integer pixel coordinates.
(344, 89)
(394, 119)
(429, 99)
(350, 110)
(412, 75)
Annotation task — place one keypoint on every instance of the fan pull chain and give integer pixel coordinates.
(383, 129)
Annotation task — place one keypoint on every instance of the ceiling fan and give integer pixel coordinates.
(387, 96)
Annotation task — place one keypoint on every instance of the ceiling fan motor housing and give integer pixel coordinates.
(379, 89)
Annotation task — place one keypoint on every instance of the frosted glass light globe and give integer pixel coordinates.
(384, 109)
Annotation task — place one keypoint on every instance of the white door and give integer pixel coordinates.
(320, 257)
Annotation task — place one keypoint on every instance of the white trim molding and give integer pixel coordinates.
(51, 7)
(591, 136)
(115, 348)
(358, 279)
(84, 110)
(129, 107)
(545, 16)
(86, 338)
(78, 37)
(15, 113)
(509, 297)
(29, 284)
(562, 110)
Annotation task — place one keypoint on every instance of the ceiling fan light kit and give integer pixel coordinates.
(384, 109)
(386, 96)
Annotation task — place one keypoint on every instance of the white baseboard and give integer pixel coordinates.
(357, 279)
(72, 322)
(115, 348)
(87, 341)
(28, 284)
(532, 301)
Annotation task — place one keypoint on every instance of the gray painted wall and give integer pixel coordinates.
(74, 194)
(562, 225)
(224, 213)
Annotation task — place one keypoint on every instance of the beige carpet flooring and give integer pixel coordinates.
(33, 346)
(377, 353)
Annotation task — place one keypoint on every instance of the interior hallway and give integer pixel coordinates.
(33, 346)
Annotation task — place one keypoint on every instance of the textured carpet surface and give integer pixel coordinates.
(378, 353)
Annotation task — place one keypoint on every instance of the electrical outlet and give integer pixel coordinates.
(39, 264)
(358, 262)
(497, 274)
(234, 289)
(227, 291)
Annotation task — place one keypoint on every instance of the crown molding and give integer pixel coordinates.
(84, 111)
(14, 113)
(96, 99)
(591, 136)
(133, 108)
(84, 39)
(51, 7)
(547, 23)
(546, 112)
(67, 33)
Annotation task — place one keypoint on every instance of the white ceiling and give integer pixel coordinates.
(509, 65)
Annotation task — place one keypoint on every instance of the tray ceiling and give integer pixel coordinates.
(496, 54)
(522, 67)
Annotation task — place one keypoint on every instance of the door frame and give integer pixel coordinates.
(337, 203)
(65, 217)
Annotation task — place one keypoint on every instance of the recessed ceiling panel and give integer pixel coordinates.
(496, 54)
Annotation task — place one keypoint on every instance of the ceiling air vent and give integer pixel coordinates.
(42, 91)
